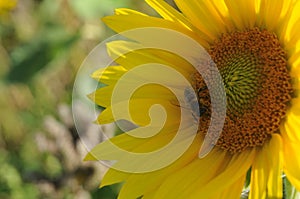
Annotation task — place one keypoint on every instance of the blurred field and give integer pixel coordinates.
(43, 43)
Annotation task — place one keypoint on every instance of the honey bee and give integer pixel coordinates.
(193, 102)
(199, 106)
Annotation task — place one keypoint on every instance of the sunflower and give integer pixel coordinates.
(255, 46)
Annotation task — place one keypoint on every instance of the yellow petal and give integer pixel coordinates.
(194, 175)
(294, 61)
(133, 187)
(266, 171)
(149, 195)
(137, 111)
(295, 104)
(291, 127)
(120, 49)
(169, 13)
(270, 12)
(289, 17)
(124, 141)
(205, 16)
(292, 162)
(259, 175)
(221, 8)
(294, 34)
(133, 20)
(274, 184)
(231, 173)
(132, 58)
(103, 95)
(147, 161)
(126, 11)
(243, 13)
(109, 75)
(291, 148)
(154, 178)
(233, 191)
(113, 176)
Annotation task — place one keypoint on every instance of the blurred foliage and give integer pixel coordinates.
(42, 45)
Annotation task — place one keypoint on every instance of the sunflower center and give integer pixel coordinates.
(257, 84)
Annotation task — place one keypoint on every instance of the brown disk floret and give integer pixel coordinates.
(258, 87)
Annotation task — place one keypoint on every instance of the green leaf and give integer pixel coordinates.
(290, 191)
(248, 178)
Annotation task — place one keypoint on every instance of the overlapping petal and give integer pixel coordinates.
(243, 14)
(122, 52)
(109, 75)
(132, 20)
(205, 16)
(230, 174)
(291, 139)
(151, 181)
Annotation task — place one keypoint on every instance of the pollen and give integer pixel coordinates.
(255, 73)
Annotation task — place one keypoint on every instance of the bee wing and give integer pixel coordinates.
(192, 103)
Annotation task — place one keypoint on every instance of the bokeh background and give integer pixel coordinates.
(42, 45)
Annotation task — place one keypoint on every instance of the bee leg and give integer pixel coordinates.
(202, 110)
(202, 89)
